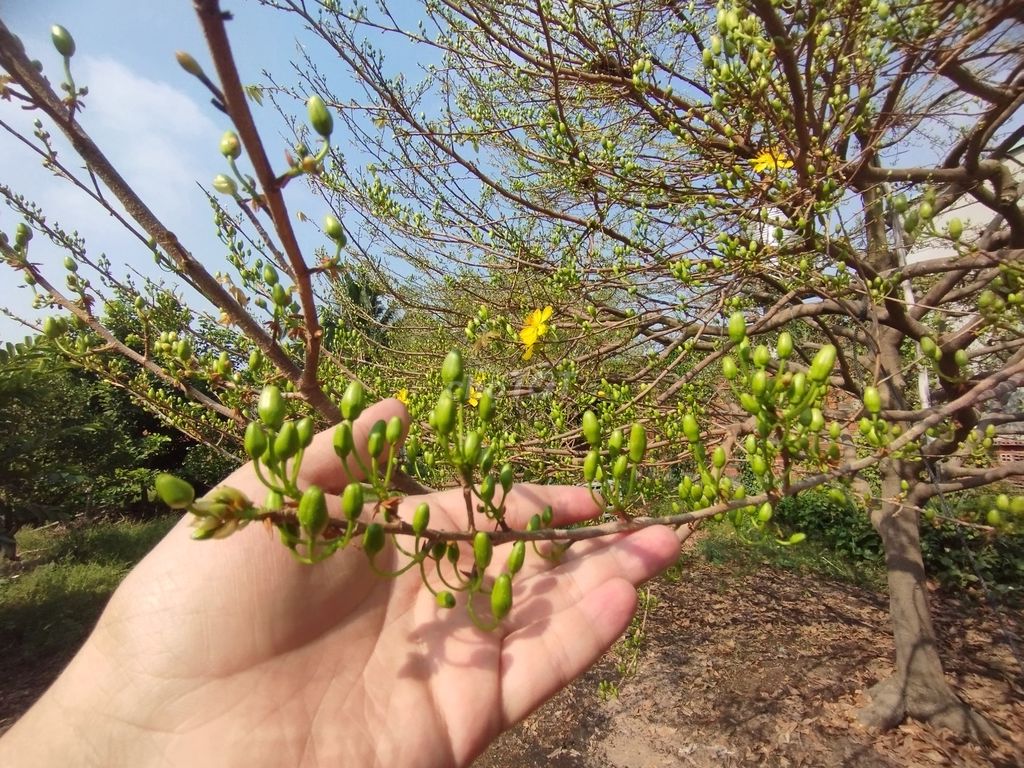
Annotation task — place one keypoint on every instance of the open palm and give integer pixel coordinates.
(230, 652)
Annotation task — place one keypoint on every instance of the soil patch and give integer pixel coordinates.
(767, 668)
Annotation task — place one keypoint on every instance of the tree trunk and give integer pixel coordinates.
(918, 688)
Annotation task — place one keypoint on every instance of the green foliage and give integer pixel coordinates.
(75, 445)
(962, 556)
(957, 556)
(48, 610)
(841, 527)
(719, 544)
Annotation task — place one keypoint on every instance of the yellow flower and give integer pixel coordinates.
(536, 326)
(474, 396)
(402, 396)
(771, 160)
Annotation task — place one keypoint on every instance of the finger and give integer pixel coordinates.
(635, 557)
(543, 657)
(321, 465)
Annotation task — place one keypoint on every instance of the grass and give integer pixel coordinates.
(47, 611)
(719, 544)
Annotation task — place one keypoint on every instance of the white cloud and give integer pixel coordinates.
(158, 139)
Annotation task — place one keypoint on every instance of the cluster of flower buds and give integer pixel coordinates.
(276, 445)
(611, 465)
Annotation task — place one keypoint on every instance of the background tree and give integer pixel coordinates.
(76, 447)
(646, 171)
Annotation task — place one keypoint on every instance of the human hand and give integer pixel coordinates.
(230, 652)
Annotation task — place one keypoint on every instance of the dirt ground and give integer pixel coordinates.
(767, 668)
(739, 667)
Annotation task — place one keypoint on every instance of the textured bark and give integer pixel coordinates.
(918, 688)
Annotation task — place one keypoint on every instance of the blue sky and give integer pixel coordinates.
(153, 120)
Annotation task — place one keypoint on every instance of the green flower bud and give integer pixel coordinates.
(421, 518)
(798, 385)
(471, 447)
(956, 228)
(764, 514)
(615, 441)
(352, 500)
(271, 408)
(373, 539)
(319, 116)
(960, 357)
(547, 515)
(729, 369)
(353, 401)
(230, 146)
(393, 433)
(486, 407)
(255, 440)
(821, 365)
(516, 558)
(506, 477)
(483, 550)
(445, 599)
(70, 264)
(834, 430)
(737, 327)
(784, 346)
(62, 41)
(343, 440)
(312, 512)
(451, 368)
(637, 443)
(761, 356)
(22, 234)
(718, 457)
(53, 328)
(817, 420)
(758, 465)
(305, 429)
(376, 439)
(487, 488)
(279, 295)
(334, 230)
(591, 429)
(173, 491)
(928, 346)
(225, 185)
(749, 403)
(286, 444)
(533, 524)
(759, 382)
(620, 467)
(255, 358)
(899, 204)
(487, 460)
(189, 64)
(444, 413)
(691, 430)
(872, 399)
(590, 464)
(274, 501)
(501, 597)
(270, 275)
